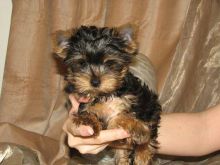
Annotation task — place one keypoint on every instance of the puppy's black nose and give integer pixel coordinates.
(95, 82)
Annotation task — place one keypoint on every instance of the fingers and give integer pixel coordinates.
(84, 99)
(95, 145)
(75, 105)
(98, 149)
(81, 130)
(105, 136)
(79, 136)
(90, 145)
(91, 149)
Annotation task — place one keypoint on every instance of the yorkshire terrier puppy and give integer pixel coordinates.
(97, 61)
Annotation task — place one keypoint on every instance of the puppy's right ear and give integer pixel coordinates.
(60, 42)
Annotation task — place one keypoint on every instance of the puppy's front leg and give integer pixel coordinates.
(89, 119)
(122, 157)
(143, 154)
(139, 131)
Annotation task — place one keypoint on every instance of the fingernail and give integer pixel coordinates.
(124, 133)
(90, 131)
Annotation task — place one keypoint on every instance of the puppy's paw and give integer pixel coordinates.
(143, 155)
(123, 162)
(89, 119)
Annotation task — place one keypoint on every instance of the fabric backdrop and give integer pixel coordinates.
(180, 37)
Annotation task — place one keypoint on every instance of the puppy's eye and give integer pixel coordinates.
(112, 64)
(118, 67)
(82, 63)
(109, 63)
(72, 68)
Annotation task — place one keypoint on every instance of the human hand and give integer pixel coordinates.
(78, 137)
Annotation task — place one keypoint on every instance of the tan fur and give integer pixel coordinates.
(89, 119)
(59, 41)
(132, 47)
(122, 157)
(143, 154)
(110, 108)
(139, 131)
(82, 83)
(140, 135)
(114, 113)
(100, 83)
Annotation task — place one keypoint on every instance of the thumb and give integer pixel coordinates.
(82, 130)
(75, 105)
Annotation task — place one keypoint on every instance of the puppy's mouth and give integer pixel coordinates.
(92, 94)
(89, 94)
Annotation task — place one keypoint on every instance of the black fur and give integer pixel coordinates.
(87, 48)
(95, 43)
(147, 108)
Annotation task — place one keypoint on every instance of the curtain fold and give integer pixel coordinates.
(181, 38)
(193, 81)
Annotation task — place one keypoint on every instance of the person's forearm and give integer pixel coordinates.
(183, 134)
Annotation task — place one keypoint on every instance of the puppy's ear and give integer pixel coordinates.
(129, 32)
(60, 42)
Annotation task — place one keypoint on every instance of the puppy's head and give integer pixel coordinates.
(97, 59)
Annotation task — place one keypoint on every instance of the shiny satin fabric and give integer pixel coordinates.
(181, 38)
(193, 81)
(12, 154)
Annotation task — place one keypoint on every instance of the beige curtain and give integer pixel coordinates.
(180, 37)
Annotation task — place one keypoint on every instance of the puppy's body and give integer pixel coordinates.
(98, 62)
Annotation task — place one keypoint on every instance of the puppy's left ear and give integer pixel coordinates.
(129, 32)
(60, 42)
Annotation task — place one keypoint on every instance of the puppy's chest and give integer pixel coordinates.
(105, 109)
